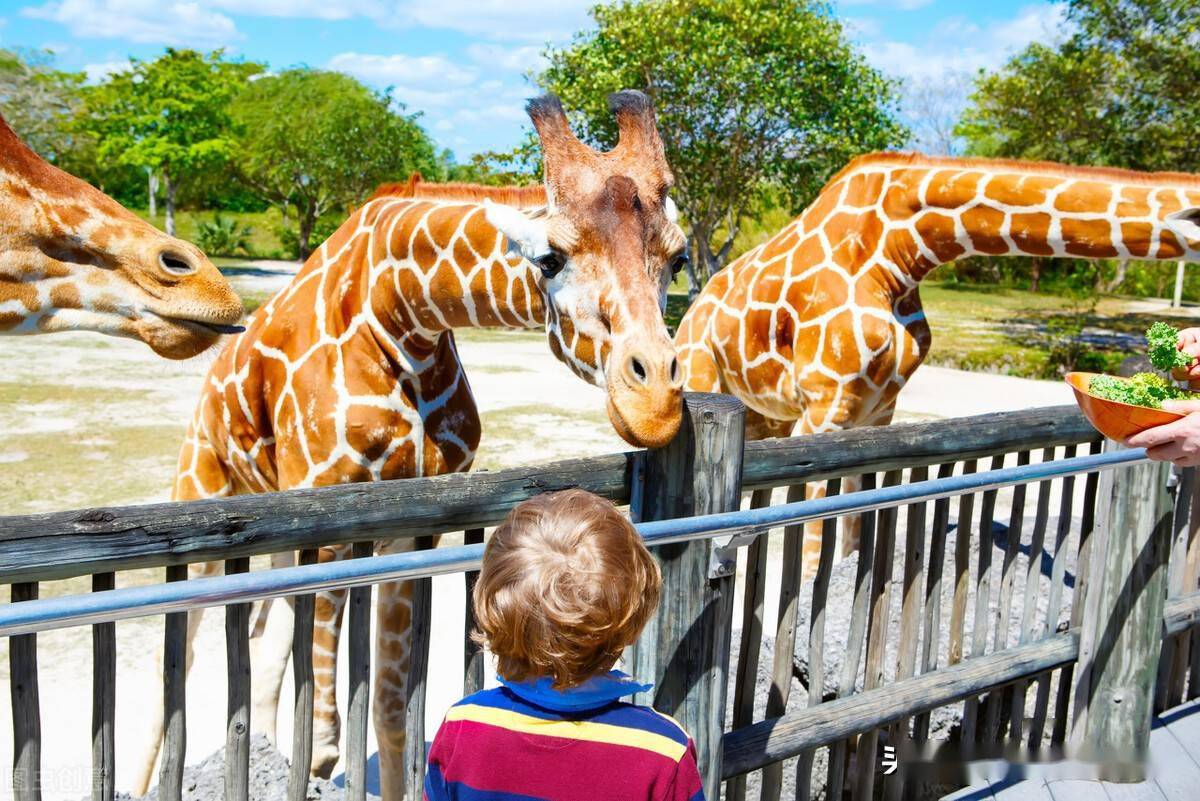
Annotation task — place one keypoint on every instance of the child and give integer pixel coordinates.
(566, 584)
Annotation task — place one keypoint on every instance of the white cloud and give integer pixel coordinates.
(399, 69)
(455, 97)
(507, 20)
(958, 45)
(305, 9)
(863, 27)
(169, 22)
(520, 59)
(98, 72)
(901, 5)
(420, 82)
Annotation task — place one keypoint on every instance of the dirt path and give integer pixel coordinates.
(89, 421)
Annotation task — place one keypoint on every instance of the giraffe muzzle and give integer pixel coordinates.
(645, 396)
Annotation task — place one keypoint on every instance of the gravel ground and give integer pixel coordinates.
(944, 722)
(268, 778)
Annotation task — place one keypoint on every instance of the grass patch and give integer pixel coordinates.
(510, 435)
(44, 467)
(264, 225)
(1033, 335)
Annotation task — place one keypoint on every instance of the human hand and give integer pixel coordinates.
(1177, 442)
(1189, 343)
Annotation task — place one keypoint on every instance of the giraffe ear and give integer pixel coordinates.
(1186, 223)
(526, 237)
(671, 210)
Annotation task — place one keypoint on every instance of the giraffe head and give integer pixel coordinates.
(72, 258)
(604, 251)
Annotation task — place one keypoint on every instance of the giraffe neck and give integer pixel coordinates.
(921, 212)
(444, 266)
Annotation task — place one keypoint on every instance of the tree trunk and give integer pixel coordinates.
(1035, 274)
(705, 260)
(152, 192)
(169, 185)
(693, 282)
(1119, 278)
(307, 221)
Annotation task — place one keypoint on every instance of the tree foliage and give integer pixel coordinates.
(170, 115)
(1120, 91)
(1048, 104)
(754, 98)
(320, 141)
(39, 101)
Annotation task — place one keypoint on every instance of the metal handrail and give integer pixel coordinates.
(99, 607)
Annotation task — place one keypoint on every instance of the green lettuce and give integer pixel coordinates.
(1163, 348)
(1144, 389)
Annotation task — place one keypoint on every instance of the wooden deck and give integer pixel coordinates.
(1174, 773)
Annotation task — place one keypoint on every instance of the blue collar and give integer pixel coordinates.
(592, 694)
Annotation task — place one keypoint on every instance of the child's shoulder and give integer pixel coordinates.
(646, 719)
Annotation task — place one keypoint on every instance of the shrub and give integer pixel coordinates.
(224, 236)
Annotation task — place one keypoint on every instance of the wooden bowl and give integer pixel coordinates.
(1114, 419)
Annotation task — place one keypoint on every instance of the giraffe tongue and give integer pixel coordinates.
(225, 329)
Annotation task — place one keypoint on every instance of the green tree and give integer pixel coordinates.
(170, 115)
(1120, 91)
(39, 101)
(756, 99)
(1154, 103)
(318, 142)
(1046, 103)
(519, 167)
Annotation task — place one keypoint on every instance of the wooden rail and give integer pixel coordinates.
(921, 557)
(91, 541)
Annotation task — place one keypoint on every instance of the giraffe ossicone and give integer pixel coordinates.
(821, 326)
(73, 259)
(351, 373)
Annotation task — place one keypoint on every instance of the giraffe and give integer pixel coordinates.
(820, 327)
(351, 374)
(73, 259)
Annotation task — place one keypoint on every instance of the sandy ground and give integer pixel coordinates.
(91, 421)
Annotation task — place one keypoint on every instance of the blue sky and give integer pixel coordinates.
(461, 63)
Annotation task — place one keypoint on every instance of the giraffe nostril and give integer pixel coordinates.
(175, 264)
(674, 370)
(637, 369)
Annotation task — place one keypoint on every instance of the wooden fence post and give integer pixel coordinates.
(26, 707)
(1122, 621)
(685, 648)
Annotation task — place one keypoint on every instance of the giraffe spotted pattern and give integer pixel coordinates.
(822, 325)
(73, 259)
(350, 373)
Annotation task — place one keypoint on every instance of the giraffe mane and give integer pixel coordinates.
(919, 160)
(521, 197)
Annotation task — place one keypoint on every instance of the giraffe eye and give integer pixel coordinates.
(679, 262)
(551, 264)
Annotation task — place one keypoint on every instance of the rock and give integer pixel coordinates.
(944, 721)
(1139, 363)
(268, 778)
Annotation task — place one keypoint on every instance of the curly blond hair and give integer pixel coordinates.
(566, 584)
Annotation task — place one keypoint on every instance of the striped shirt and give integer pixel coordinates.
(501, 745)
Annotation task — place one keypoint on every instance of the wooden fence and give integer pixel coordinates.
(1017, 678)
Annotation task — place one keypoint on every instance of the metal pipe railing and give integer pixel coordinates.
(79, 610)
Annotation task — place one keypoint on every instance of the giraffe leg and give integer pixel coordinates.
(270, 649)
(200, 475)
(155, 725)
(393, 644)
(852, 525)
(327, 630)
